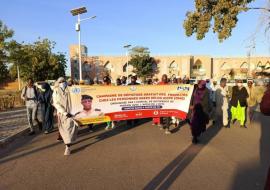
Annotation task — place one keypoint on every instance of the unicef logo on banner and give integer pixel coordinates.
(133, 88)
(183, 88)
(76, 90)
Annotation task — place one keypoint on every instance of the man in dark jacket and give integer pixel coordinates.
(133, 81)
(239, 103)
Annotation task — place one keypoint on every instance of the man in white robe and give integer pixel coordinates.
(222, 102)
(66, 124)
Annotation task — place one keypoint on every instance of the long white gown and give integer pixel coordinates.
(67, 126)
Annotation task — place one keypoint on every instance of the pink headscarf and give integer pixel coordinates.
(199, 93)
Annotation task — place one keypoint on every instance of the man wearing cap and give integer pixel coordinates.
(62, 103)
(87, 111)
(134, 80)
(163, 122)
(131, 122)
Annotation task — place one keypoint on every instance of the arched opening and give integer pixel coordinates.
(267, 65)
(244, 65)
(108, 66)
(267, 68)
(225, 66)
(86, 66)
(173, 69)
(197, 65)
(259, 66)
(197, 69)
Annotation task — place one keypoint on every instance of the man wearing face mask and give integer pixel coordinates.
(239, 103)
(66, 124)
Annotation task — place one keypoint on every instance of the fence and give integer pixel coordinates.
(10, 100)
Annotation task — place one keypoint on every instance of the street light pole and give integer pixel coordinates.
(80, 52)
(75, 12)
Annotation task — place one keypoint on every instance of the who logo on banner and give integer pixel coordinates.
(76, 90)
(133, 88)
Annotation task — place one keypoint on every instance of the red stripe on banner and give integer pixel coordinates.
(125, 115)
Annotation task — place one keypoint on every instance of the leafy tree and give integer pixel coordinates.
(5, 35)
(37, 60)
(142, 63)
(221, 15)
(4, 73)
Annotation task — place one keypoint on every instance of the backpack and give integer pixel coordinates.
(35, 91)
(265, 104)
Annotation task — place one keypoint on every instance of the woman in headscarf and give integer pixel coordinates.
(45, 99)
(201, 96)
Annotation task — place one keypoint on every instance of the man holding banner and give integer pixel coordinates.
(62, 103)
(127, 103)
(165, 121)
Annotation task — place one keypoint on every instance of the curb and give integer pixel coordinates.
(10, 139)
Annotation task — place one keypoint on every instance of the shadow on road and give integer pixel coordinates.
(252, 175)
(169, 174)
(108, 134)
(6, 154)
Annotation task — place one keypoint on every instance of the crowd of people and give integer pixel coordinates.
(210, 102)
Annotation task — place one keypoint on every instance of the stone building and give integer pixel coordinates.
(192, 66)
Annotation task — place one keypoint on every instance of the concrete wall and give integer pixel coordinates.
(174, 66)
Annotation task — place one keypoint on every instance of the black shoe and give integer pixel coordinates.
(188, 121)
(226, 126)
(31, 133)
(40, 126)
(195, 140)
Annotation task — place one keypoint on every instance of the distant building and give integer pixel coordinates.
(200, 67)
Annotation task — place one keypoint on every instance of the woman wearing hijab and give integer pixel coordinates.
(200, 107)
(201, 96)
(45, 99)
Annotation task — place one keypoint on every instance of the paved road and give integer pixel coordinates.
(141, 157)
(12, 122)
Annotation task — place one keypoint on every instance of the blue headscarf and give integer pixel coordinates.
(46, 96)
